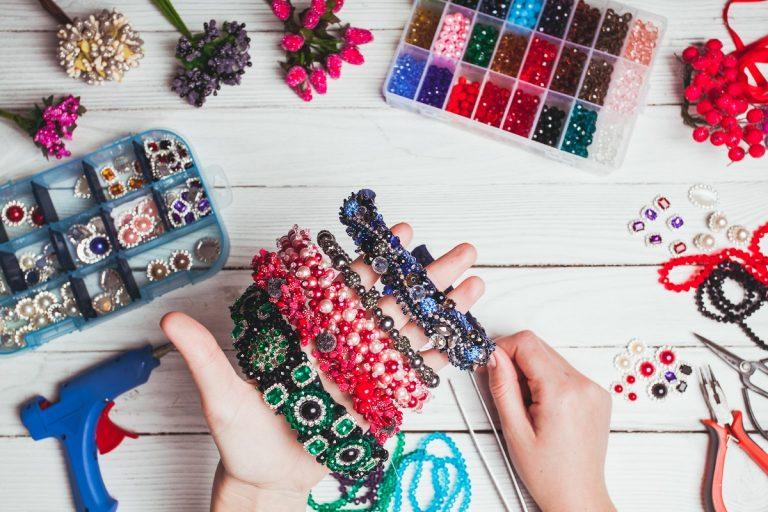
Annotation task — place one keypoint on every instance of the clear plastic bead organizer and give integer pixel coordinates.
(579, 107)
(104, 234)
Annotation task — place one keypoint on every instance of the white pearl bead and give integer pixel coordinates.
(350, 315)
(376, 346)
(401, 394)
(378, 369)
(325, 306)
(353, 339)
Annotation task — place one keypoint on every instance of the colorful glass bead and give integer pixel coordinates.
(522, 113)
(509, 54)
(435, 86)
(677, 247)
(406, 75)
(568, 71)
(453, 36)
(481, 45)
(649, 213)
(495, 8)
(540, 62)
(550, 125)
(581, 128)
(492, 104)
(463, 97)
(554, 18)
(108, 174)
(653, 240)
(597, 80)
(642, 41)
(636, 226)
(675, 222)
(422, 28)
(525, 12)
(586, 19)
(613, 31)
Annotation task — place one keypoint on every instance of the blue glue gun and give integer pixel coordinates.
(80, 420)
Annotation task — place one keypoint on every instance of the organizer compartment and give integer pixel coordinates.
(88, 273)
(137, 221)
(554, 52)
(115, 171)
(20, 212)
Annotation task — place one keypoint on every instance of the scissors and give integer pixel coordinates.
(725, 426)
(745, 369)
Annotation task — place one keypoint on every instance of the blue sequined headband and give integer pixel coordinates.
(403, 276)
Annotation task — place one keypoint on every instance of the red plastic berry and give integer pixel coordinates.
(729, 123)
(729, 61)
(731, 75)
(714, 45)
(741, 105)
(735, 89)
(736, 154)
(753, 136)
(700, 134)
(714, 117)
(690, 53)
(755, 115)
(702, 80)
(704, 107)
(692, 92)
(717, 138)
(732, 139)
(757, 151)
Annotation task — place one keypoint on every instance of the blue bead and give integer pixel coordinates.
(434, 89)
(99, 245)
(406, 74)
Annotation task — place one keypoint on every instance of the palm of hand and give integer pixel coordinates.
(258, 447)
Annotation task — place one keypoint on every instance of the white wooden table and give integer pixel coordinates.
(552, 241)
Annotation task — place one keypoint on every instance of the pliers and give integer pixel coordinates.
(724, 427)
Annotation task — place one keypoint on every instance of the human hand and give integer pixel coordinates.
(556, 424)
(263, 467)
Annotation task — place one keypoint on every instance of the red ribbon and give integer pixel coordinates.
(748, 57)
(753, 260)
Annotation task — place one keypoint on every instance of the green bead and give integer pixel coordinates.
(302, 374)
(343, 426)
(316, 446)
(275, 395)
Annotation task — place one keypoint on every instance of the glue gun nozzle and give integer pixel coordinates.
(162, 350)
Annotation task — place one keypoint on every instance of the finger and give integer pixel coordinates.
(508, 396)
(214, 376)
(466, 295)
(367, 276)
(442, 272)
(541, 369)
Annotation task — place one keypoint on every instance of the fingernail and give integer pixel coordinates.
(492, 361)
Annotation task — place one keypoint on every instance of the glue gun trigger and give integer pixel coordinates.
(108, 434)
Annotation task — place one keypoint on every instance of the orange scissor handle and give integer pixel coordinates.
(713, 477)
(747, 444)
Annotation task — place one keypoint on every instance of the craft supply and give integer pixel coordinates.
(51, 124)
(99, 48)
(337, 351)
(316, 43)
(746, 370)
(722, 86)
(738, 235)
(510, 470)
(726, 428)
(269, 352)
(659, 372)
(449, 330)
(80, 419)
(90, 242)
(717, 221)
(703, 196)
(477, 446)
(546, 57)
(370, 301)
(451, 484)
(207, 60)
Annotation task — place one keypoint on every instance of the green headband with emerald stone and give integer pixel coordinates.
(269, 353)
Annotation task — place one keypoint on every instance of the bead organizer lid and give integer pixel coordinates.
(103, 234)
(563, 78)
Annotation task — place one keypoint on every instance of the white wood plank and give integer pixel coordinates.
(376, 148)
(168, 403)
(569, 307)
(644, 472)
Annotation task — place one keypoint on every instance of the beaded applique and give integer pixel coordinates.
(370, 300)
(269, 352)
(403, 276)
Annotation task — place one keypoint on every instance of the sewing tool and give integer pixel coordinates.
(80, 419)
(477, 446)
(725, 425)
(745, 369)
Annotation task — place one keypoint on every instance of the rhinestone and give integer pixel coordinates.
(379, 264)
(325, 342)
(207, 250)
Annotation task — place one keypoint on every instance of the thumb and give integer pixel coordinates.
(209, 366)
(508, 396)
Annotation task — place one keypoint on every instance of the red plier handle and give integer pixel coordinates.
(718, 437)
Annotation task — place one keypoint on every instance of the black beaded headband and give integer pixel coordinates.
(269, 352)
(403, 276)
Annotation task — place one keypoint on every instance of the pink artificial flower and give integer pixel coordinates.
(292, 42)
(356, 36)
(310, 19)
(318, 80)
(281, 8)
(352, 55)
(337, 7)
(318, 6)
(304, 91)
(295, 76)
(333, 65)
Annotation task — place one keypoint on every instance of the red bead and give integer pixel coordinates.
(14, 213)
(667, 357)
(492, 104)
(632, 396)
(647, 369)
(630, 379)
(618, 388)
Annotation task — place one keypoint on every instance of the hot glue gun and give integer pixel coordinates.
(80, 420)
